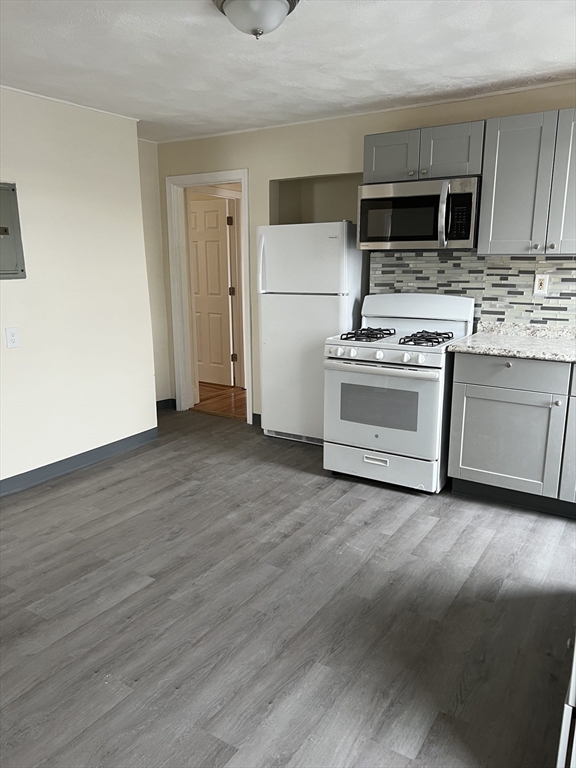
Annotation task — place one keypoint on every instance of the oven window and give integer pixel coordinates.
(399, 219)
(379, 407)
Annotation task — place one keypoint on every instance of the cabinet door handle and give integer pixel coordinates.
(536, 246)
(410, 173)
(557, 402)
(508, 365)
(552, 246)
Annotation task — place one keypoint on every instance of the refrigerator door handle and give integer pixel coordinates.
(261, 275)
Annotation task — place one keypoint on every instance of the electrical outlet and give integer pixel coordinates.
(12, 338)
(541, 285)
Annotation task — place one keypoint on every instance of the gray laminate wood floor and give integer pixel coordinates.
(217, 599)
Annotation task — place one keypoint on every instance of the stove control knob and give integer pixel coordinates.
(379, 355)
(339, 351)
(421, 359)
(353, 352)
(405, 357)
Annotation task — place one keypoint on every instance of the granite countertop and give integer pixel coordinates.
(518, 340)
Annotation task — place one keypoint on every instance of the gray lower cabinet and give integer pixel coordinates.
(516, 183)
(430, 153)
(568, 477)
(508, 422)
(562, 221)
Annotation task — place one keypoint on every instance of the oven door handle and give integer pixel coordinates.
(379, 370)
(442, 234)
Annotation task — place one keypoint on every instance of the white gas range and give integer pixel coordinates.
(387, 389)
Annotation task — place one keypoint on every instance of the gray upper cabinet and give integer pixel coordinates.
(516, 183)
(562, 221)
(430, 153)
(451, 150)
(391, 156)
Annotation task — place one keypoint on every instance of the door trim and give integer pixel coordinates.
(235, 269)
(185, 374)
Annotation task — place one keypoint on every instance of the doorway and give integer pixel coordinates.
(184, 337)
(215, 296)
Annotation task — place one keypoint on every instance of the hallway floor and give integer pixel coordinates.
(220, 400)
(215, 598)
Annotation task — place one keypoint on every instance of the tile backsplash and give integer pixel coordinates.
(501, 286)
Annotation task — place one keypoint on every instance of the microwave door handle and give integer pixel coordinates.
(442, 241)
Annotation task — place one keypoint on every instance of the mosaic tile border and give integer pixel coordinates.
(501, 286)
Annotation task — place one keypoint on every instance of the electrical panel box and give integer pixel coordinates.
(11, 253)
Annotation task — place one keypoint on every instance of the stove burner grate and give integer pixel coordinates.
(368, 334)
(427, 338)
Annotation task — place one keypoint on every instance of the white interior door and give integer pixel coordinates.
(209, 271)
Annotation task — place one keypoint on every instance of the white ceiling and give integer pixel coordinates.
(184, 70)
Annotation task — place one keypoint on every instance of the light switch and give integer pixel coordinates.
(12, 338)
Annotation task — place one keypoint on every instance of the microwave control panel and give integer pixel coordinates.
(460, 216)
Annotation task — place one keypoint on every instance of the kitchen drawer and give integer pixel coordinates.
(512, 373)
(385, 467)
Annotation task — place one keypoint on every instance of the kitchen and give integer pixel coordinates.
(394, 589)
(470, 213)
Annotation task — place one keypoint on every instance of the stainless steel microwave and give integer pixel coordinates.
(418, 215)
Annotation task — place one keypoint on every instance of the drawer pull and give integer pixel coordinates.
(376, 460)
(508, 365)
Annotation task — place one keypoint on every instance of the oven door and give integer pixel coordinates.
(384, 408)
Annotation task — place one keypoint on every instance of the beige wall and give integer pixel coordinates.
(324, 148)
(315, 199)
(83, 375)
(150, 189)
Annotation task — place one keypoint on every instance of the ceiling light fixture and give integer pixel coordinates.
(256, 17)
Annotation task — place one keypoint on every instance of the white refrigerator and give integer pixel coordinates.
(310, 286)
